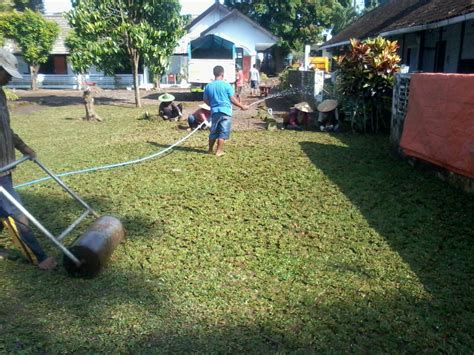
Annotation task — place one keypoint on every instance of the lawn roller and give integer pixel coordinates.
(88, 254)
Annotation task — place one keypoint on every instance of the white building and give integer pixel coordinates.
(249, 38)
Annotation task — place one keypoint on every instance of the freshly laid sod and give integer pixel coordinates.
(293, 241)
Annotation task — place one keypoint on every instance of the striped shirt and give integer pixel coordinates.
(8, 139)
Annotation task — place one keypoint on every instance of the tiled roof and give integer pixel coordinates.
(238, 14)
(402, 14)
(59, 46)
(215, 7)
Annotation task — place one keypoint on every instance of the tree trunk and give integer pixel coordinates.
(89, 104)
(138, 102)
(34, 77)
(157, 82)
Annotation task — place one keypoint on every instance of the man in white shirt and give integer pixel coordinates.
(254, 80)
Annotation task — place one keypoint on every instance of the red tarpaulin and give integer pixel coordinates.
(439, 126)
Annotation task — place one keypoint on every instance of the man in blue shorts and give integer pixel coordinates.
(219, 95)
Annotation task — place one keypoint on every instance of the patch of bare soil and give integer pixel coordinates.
(32, 101)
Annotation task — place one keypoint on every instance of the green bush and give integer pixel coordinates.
(11, 95)
(366, 74)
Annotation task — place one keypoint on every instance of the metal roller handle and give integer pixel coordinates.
(14, 164)
(24, 158)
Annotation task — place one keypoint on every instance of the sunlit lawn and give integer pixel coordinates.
(293, 241)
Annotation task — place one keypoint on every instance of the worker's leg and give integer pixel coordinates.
(224, 127)
(212, 142)
(26, 240)
(213, 134)
(19, 226)
(167, 113)
(192, 122)
(220, 147)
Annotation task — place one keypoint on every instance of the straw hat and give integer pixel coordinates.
(9, 63)
(327, 106)
(304, 107)
(166, 97)
(204, 106)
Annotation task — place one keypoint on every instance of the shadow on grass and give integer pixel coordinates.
(39, 294)
(428, 223)
(179, 96)
(179, 148)
(65, 100)
(73, 303)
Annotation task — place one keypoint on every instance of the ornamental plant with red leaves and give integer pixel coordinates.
(366, 74)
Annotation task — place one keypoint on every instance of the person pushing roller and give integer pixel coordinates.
(14, 219)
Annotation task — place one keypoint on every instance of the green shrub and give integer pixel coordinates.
(366, 74)
(11, 95)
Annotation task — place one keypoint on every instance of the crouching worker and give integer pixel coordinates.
(298, 117)
(328, 118)
(168, 110)
(12, 217)
(201, 115)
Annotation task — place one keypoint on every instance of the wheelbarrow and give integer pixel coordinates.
(89, 253)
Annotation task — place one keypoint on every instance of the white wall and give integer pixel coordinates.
(195, 31)
(242, 33)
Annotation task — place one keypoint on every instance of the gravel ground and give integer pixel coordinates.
(30, 101)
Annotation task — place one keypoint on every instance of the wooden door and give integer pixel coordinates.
(60, 64)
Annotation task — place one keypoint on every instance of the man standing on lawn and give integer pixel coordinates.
(219, 95)
(16, 220)
(254, 80)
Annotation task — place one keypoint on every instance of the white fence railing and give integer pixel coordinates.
(55, 81)
(401, 91)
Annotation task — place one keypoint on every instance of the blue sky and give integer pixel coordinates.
(194, 7)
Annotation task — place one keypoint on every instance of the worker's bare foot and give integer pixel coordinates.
(48, 264)
(219, 154)
(210, 152)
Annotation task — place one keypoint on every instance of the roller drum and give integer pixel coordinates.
(95, 247)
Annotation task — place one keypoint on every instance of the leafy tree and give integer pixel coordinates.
(105, 32)
(5, 5)
(34, 35)
(296, 22)
(343, 17)
(35, 5)
(366, 73)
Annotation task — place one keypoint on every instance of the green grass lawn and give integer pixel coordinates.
(293, 241)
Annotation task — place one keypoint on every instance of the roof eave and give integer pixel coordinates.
(338, 44)
(235, 12)
(211, 8)
(429, 26)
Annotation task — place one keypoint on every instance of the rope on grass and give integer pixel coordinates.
(116, 165)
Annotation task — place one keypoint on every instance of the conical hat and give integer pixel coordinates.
(304, 107)
(327, 105)
(9, 62)
(205, 107)
(166, 97)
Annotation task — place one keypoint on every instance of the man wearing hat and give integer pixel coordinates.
(168, 110)
(201, 115)
(17, 221)
(298, 117)
(328, 118)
